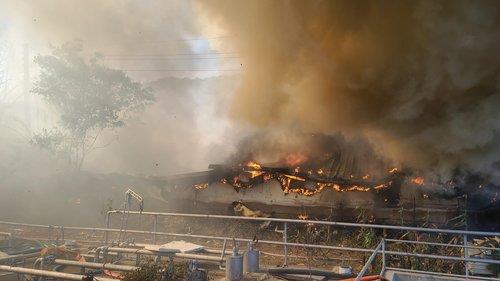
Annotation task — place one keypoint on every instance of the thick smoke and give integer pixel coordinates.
(419, 79)
(173, 135)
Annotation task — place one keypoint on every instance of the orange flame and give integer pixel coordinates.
(295, 177)
(418, 181)
(254, 174)
(253, 164)
(358, 188)
(303, 216)
(201, 186)
(293, 183)
(382, 186)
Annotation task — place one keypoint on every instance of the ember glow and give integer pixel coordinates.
(418, 180)
(201, 186)
(303, 216)
(294, 180)
(253, 164)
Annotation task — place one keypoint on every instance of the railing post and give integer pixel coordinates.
(223, 254)
(466, 255)
(369, 261)
(106, 233)
(50, 233)
(466, 243)
(285, 246)
(155, 227)
(62, 234)
(383, 255)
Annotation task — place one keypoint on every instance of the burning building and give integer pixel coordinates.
(329, 176)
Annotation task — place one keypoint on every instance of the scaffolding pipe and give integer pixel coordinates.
(48, 273)
(95, 265)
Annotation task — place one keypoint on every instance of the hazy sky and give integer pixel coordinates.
(150, 40)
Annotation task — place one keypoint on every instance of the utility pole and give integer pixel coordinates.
(27, 86)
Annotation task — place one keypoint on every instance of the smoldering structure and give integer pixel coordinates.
(328, 177)
(415, 81)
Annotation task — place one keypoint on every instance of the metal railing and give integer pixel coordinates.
(381, 248)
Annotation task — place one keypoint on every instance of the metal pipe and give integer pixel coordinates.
(369, 261)
(222, 253)
(285, 241)
(152, 253)
(62, 234)
(442, 244)
(476, 277)
(155, 228)
(95, 265)
(452, 258)
(466, 250)
(48, 273)
(383, 257)
(106, 234)
(303, 271)
(379, 226)
(50, 232)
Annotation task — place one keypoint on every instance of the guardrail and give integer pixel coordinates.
(381, 248)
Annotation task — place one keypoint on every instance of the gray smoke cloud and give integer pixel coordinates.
(418, 79)
(177, 134)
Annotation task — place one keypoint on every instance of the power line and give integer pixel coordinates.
(141, 42)
(192, 39)
(166, 55)
(168, 58)
(182, 70)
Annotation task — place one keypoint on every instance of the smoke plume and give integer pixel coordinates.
(418, 79)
